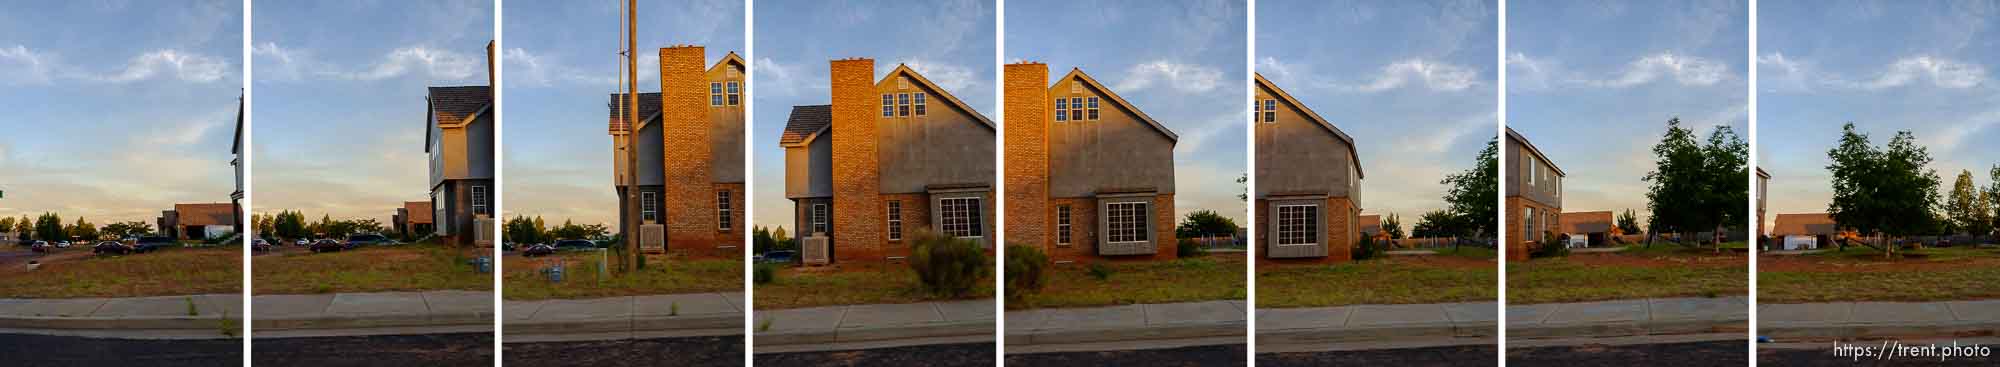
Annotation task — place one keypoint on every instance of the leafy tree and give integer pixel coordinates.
(1628, 222)
(1993, 197)
(760, 239)
(569, 230)
(1695, 187)
(1888, 191)
(128, 229)
(1203, 223)
(82, 229)
(1243, 193)
(7, 224)
(26, 227)
(1437, 224)
(290, 225)
(521, 229)
(596, 230)
(1393, 226)
(49, 227)
(1475, 193)
(1967, 207)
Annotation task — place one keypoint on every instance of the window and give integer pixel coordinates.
(715, 94)
(732, 72)
(1093, 108)
(1062, 225)
(1256, 109)
(819, 219)
(903, 104)
(1076, 109)
(1127, 221)
(920, 103)
(895, 220)
(888, 105)
(903, 83)
(479, 200)
(959, 217)
(1075, 88)
(1270, 110)
(1528, 229)
(437, 211)
(1298, 224)
(1061, 104)
(1529, 171)
(735, 94)
(722, 210)
(649, 210)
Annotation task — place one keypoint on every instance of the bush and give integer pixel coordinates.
(1551, 246)
(1026, 270)
(948, 266)
(1189, 248)
(1100, 271)
(1367, 249)
(765, 273)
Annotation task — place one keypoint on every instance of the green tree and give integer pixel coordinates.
(1203, 223)
(1695, 187)
(1437, 224)
(1967, 208)
(290, 225)
(26, 227)
(1888, 191)
(49, 227)
(83, 229)
(1393, 226)
(520, 229)
(1628, 222)
(1243, 192)
(1474, 194)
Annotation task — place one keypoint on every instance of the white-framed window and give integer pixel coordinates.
(722, 210)
(1298, 224)
(920, 103)
(902, 104)
(649, 210)
(1093, 108)
(819, 219)
(479, 206)
(1062, 106)
(437, 212)
(959, 217)
(715, 94)
(1076, 108)
(888, 105)
(1531, 171)
(735, 94)
(1062, 225)
(895, 220)
(1127, 221)
(1528, 229)
(1270, 110)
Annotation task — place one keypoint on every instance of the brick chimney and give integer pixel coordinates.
(1027, 165)
(857, 190)
(690, 193)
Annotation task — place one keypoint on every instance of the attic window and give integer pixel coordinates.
(888, 105)
(920, 103)
(1075, 87)
(903, 83)
(903, 105)
(1093, 108)
(735, 94)
(732, 72)
(1062, 104)
(1270, 110)
(715, 94)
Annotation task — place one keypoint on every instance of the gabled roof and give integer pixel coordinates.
(455, 107)
(948, 97)
(806, 123)
(1803, 224)
(1316, 119)
(731, 58)
(1762, 174)
(649, 109)
(1538, 152)
(207, 214)
(1078, 74)
(1586, 222)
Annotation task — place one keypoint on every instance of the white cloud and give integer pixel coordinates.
(1442, 139)
(1271, 68)
(528, 69)
(1182, 77)
(1434, 75)
(954, 78)
(1687, 70)
(1941, 72)
(19, 64)
(1948, 140)
(185, 66)
(293, 64)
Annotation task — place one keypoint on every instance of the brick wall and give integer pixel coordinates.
(857, 178)
(916, 214)
(1167, 245)
(1083, 229)
(1342, 233)
(737, 223)
(1517, 245)
(690, 193)
(1027, 160)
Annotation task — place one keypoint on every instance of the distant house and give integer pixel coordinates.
(198, 221)
(887, 158)
(1534, 196)
(1309, 175)
(413, 220)
(458, 136)
(692, 195)
(1089, 175)
(1593, 228)
(1370, 224)
(1804, 231)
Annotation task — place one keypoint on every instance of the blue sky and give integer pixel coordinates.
(1887, 66)
(1592, 85)
(339, 100)
(1180, 61)
(116, 110)
(796, 39)
(1413, 82)
(561, 66)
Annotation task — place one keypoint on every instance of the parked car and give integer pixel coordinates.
(575, 244)
(150, 243)
(260, 245)
(779, 256)
(359, 240)
(328, 246)
(538, 250)
(37, 245)
(112, 247)
(62, 244)
(302, 242)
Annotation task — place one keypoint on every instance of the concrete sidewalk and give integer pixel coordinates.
(1654, 316)
(195, 316)
(1331, 328)
(615, 318)
(386, 313)
(873, 326)
(1144, 326)
(1878, 319)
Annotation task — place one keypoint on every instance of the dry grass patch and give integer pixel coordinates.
(849, 284)
(1863, 274)
(1207, 278)
(167, 272)
(1664, 271)
(664, 274)
(416, 267)
(1394, 280)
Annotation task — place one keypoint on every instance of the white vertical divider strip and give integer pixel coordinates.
(749, 176)
(1000, 176)
(1754, 195)
(1500, 132)
(249, 185)
(1250, 184)
(499, 170)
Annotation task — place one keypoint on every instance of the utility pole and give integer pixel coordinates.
(632, 249)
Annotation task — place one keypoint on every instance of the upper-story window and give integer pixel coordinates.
(1530, 172)
(735, 94)
(903, 104)
(732, 72)
(920, 103)
(903, 83)
(479, 206)
(1256, 110)
(715, 94)
(1270, 110)
(1075, 88)
(1076, 108)
(1093, 108)
(888, 105)
(1062, 106)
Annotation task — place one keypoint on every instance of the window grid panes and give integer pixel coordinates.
(959, 217)
(479, 200)
(1076, 108)
(888, 106)
(895, 220)
(903, 104)
(920, 104)
(1298, 224)
(1127, 221)
(1270, 110)
(735, 94)
(819, 219)
(1062, 225)
(722, 210)
(715, 94)
(648, 210)
(1093, 108)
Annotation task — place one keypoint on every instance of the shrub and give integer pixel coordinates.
(1551, 246)
(1367, 249)
(1100, 271)
(765, 273)
(948, 266)
(1026, 270)
(1189, 248)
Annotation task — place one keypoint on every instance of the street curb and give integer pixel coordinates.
(1795, 330)
(1422, 331)
(910, 332)
(1162, 332)
(113, 323)
(1626, 328)
(371, 321)
(720, 322)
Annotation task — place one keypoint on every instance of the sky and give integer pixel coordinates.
(1592, 84)
(561, 67)
(795, 40)
(1182, 62)
(1924, 67)
(339, 105)
(1413, 82)
(116, 110)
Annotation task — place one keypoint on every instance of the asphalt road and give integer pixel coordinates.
(1472, 355)
(43, 350)
(471, 349)
(1826, 357)
(698, 351)
(1217, 355)
(927, 355)
(1714, 353)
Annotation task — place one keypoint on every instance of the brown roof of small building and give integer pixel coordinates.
(806, 122)
(1810, 224)
(206, 214)
(454, 104)
(649, 107)
(420, 212)
(1586, 222)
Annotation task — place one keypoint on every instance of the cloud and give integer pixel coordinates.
(1434, 75)
(185, 66)
(1941, 72)
(1189, 78)
(27, 66)
(1442, 139)
(527, 69)
(1948, 140)
(293, 64)
(780, 79)
(1686, 70)
(21, 65)
(954, 78)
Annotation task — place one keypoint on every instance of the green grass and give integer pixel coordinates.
(166, 272)
(1863, 274)
(663, 275)
(852, 284)
(1214, 277)
(1384, 281)
(370, 269)
(1469, 252)
(1561, 280)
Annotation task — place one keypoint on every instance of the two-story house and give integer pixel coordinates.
(1308, 181)
(413, 221)
(458, 136)
(691, 196)
(880, 162)
(236, 149)
(1534, 197)
(1089, 176)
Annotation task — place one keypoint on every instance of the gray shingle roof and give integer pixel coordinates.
(454, 104)
(806, 121)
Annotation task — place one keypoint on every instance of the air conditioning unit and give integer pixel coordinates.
(815, 249)
(482, 233)
(652, 237)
